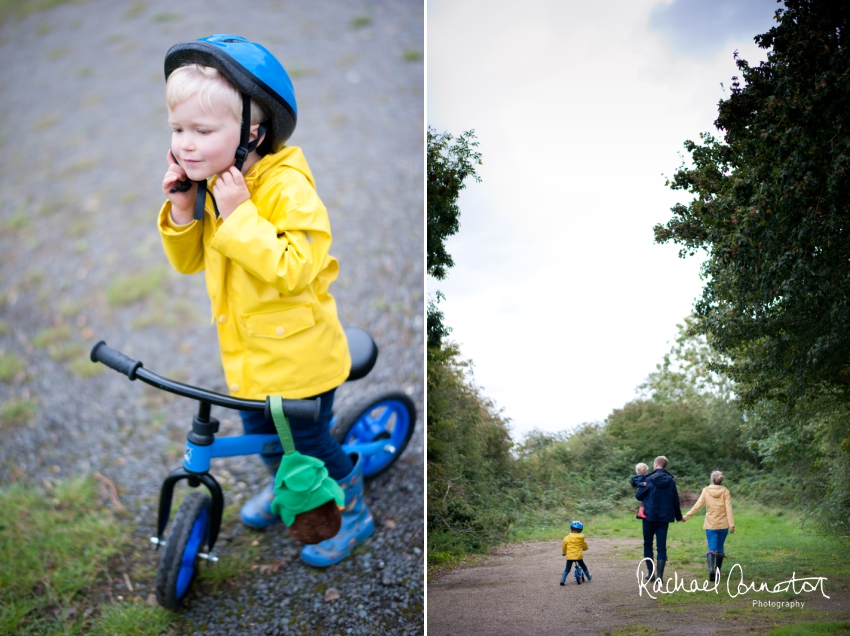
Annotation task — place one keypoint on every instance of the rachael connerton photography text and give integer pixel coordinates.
(735, 584)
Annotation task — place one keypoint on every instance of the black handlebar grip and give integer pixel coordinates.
(302, 409)
(114, 360)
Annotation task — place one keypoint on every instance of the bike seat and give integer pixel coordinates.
(363, 350)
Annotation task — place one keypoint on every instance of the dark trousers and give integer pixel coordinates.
(311, 438)
(657, 529)
(570, 566)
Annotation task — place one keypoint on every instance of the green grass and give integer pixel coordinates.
(167, 17)
(17, 412)
(811, 629)
(85, 368)
(23, 8)
(632, 630)
(128, 289)
(136, 9)
(769, 544)
(132, 619)
(11, 365)
(55, 547)
(51, 336)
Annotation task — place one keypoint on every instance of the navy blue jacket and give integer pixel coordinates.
(660, 497)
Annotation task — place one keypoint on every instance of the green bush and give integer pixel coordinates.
(469, 462)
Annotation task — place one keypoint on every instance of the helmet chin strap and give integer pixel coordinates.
(245, 148)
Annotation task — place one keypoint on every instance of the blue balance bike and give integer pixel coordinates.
(378, 427)
(579, 574)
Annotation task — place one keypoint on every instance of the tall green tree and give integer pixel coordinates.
(451, 161)
(771, 209)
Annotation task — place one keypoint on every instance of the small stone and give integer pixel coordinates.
(389, 524)
(331, 594)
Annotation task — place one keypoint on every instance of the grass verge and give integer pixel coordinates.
(56, 548)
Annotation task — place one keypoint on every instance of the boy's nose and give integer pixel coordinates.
(186, 143)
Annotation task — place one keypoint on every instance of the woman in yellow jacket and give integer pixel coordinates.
(718, 520)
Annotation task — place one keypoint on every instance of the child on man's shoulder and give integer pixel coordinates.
(638, 480)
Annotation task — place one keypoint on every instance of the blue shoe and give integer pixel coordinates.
(257, 511)
(587, 574)
(357, 523)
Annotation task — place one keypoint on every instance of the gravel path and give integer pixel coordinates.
(516, 591)
(83, 133)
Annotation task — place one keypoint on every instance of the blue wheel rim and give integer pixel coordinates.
(384, 417)
(187, 562)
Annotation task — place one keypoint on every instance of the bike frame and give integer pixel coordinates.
(197, 458)
(201, 443)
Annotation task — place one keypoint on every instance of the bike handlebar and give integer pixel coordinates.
(101, 352)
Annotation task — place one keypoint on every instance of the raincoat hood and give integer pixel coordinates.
(718, 508)
(660, 497)
(660, 478)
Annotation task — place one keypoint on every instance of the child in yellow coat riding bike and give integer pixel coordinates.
(242, 207)
(572, 548)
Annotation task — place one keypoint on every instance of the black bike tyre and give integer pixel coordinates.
(346, 420)
(167, 593)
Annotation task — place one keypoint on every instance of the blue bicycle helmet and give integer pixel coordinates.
(254, 71)
(258, 75)
(577, 525)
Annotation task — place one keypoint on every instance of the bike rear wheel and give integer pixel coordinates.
(389, 416)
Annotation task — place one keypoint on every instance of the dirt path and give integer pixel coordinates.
(516, 591)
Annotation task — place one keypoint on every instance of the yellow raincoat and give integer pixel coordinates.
(573, 545)
(268, 269)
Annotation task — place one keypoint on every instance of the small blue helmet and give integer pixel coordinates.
(577, 525)
(254, 71)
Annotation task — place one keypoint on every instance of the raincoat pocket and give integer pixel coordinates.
(280, 324)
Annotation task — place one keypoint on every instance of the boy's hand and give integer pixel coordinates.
(182, 203)
(230, 191)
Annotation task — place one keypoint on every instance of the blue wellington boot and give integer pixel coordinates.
(257, 511)
(357, 522)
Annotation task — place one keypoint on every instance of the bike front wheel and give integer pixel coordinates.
(389, 416)
(179, 561)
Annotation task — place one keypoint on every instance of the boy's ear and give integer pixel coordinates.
(253, 135)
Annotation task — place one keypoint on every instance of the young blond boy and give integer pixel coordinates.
(638, 480)
(263, 239)
(573, 548)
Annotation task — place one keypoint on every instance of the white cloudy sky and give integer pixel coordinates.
(559, 295)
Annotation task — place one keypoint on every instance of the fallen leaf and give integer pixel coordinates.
(331, 594)
(389, 524)
(277, 566)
